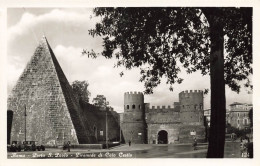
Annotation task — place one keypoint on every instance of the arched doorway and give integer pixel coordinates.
(162, 137)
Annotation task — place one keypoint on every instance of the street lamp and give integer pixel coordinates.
(120, 132)
(25, 122)
(106, 130)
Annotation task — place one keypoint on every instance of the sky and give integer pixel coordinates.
(66, 30)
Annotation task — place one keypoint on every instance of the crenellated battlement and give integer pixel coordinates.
(190, 94)
(133, 97)
(161, 107)
(133, 93)
(191, 91)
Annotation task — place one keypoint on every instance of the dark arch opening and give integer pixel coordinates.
(162, 137)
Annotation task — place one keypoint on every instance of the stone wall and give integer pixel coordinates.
(162, 114)
(187, 131)
(135, 132)
(96, 118)
(163, 118)
(171, 128)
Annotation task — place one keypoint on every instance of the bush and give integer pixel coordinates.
(238, 132)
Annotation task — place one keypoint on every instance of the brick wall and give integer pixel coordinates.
(96, 119)
(172, 130)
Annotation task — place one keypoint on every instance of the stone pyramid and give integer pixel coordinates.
(53, 113)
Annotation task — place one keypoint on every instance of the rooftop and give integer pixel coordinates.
(237, 103)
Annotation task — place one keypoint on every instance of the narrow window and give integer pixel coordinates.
(245, 122)
(127, 107)
(133, 106)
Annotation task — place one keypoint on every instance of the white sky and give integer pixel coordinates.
(67, 33)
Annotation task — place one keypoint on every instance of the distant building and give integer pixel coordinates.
(239, 115)
(207, 113)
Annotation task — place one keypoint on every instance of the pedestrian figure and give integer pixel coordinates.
(195, 143)
(68, 146)
(243, 147)
(33, 147)
(129, 143)
(64, 146)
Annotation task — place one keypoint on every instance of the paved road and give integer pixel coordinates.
(165, 151)
(135, 151)
(232, 150)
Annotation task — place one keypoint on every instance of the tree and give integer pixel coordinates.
(100, 101)
(250, 115)
(193, 38)
(80, 89)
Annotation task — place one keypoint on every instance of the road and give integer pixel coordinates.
(232, 150)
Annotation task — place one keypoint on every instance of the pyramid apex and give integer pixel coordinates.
(44, 39)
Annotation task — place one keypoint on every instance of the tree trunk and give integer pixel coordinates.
(217, 83)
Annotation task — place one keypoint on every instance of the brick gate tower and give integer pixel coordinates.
(134, 126)
(191, 116)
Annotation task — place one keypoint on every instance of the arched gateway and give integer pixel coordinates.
(162, 137)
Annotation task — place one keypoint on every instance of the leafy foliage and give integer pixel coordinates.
(238, 132)
(100, 101)
(162, 41)
(80, 89)
(238, 45)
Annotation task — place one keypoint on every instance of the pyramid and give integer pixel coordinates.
(53, 114)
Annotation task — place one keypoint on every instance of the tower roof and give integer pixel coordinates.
(236, 103)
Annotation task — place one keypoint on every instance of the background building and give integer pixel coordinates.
(239, 115)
